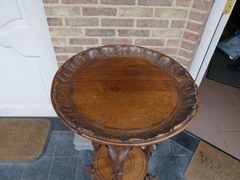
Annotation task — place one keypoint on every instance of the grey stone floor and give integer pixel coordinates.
(62, 162)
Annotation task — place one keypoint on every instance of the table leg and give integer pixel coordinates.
(117, 155)
(91, 173)
(96, 145)
(109, 162)
(148, 150)
(89, 168)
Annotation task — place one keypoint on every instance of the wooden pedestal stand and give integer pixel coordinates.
(117, 162)
(123, 98)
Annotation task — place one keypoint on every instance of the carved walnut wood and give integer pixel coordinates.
(134, 166)
(91, 173)
(149, 150)
(124, 95)
(117, 155)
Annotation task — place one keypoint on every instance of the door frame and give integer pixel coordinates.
(212, 32)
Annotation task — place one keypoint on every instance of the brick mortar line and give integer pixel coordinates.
(189, 41)
(117, 28)
(67, 38)
(189, 51)
(116, 17)
(121, 37)
(63, 21)
(193, 32)
(174, 3)
(101, 39)
(150, 47)
(198, 10)
(133, 40)
(195, 21)
(138, 18)
(113, 6)
(184, 58)
(92, 46)
(185, 27)
(117, 6)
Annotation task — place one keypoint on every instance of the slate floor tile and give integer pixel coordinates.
(58, 125)
(85, 158)
(163, 148)
(178, 149)
(65, 146)
(11, 171)
(182, 162)
(186, 140)
(38, 170)
(63, 168)
(51, 147)
(165, 167)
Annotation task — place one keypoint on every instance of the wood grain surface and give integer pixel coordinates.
(135, 165)
(124, 95)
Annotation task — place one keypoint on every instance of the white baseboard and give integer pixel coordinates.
(27, 111)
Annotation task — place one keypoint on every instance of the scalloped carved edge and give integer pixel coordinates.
(78, 62)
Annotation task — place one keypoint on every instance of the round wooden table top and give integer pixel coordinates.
(124, 95)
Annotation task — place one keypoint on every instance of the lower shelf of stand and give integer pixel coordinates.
(135, 165)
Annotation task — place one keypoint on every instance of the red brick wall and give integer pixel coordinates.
(173, 27)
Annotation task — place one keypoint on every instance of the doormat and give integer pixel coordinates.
(210, 163)
(23, 139)
(218, 70)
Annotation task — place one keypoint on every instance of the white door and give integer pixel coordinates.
(27, 60)
(211, 35)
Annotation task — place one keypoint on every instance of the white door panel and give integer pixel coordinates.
(13, 14)
(23, 84)
(27, 60)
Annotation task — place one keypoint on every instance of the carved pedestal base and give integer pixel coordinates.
(108, 161)
(91, 173)
(151, 177)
